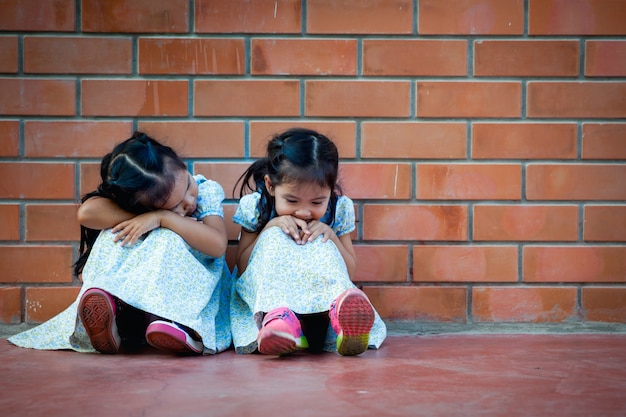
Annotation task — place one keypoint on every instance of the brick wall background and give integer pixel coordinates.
(483, 141)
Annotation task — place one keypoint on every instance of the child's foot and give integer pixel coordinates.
(352, 318)
(168, 336)
(280, 333)
(97, 311)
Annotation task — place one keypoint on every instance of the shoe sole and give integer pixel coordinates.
(356, 318)
(98, 317)
(165, 337)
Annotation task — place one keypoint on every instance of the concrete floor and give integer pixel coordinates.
(411, 375)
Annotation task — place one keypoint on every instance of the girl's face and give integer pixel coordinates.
(306, 201)
(184, 197)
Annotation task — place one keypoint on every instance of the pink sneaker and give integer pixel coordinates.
(168, 336)
(97, 311)
(352, 318)
(281, 333)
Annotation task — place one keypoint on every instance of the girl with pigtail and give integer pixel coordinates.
(151, 257)
(295, 259)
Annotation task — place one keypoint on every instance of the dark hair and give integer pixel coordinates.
(138, 176)
(296, 156)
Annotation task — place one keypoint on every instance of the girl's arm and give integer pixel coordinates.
(208, 236)
(247, 240)
(100, 213)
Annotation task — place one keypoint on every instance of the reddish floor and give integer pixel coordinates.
(441, 375)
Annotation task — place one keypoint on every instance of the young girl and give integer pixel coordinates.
(295, 257)
(152, 260)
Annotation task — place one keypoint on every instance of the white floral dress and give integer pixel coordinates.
(161, 274)
(281, 273)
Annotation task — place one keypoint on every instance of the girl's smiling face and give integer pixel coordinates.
(306, 201)
(184, 197)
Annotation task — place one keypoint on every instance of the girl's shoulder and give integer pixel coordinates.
(210, 197)
(344, 203)
(247, 213)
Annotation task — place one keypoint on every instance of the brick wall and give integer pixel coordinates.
(483, 141)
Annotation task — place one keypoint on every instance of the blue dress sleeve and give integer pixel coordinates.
(247, 213)
(210, 197)
(344, 216)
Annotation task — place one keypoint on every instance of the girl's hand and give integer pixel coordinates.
(296, 228)
(129, 231)
(317, 228)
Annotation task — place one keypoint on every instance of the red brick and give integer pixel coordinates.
(343, 134)
(43, 303)
(357, 98)
(246, 98)
(10, 220)
(134, 98)
(10, 305)
(77, 55)
(605, 58)
(356, 16)
(422, 140)
(137, 16)
(32, 180)
(36, 263)
(469, 181)
(244, 16)
(605, 223)
(52, 222)
(604, 304)
(414, 57)
(524, 140)
(89, 177)
(526, 58)
(382, 263)
(575, 182)
(604, 141)
(471, 17)
(191, 56)
(468, 99)
(204, 139)
(577, 99)
(444, 304)
(526, 223)
(526, 304)
(453, 263)
(574, 263)
(38, 16)
(576, 17)
(225, 173)
(9, 137)
(383, 181)
(277, 56)
(414, 222)
(37, 97)
(8, 53)
(83, 139)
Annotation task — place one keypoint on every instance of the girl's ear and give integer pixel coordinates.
(268, 184)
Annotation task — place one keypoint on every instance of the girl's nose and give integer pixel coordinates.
(303, 213)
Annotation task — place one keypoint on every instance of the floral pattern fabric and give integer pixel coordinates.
(160, 274)
(281, 273)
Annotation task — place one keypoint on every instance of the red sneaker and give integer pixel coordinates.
(281, 333)
(352, 318)
(170, 337)
(97, 311)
